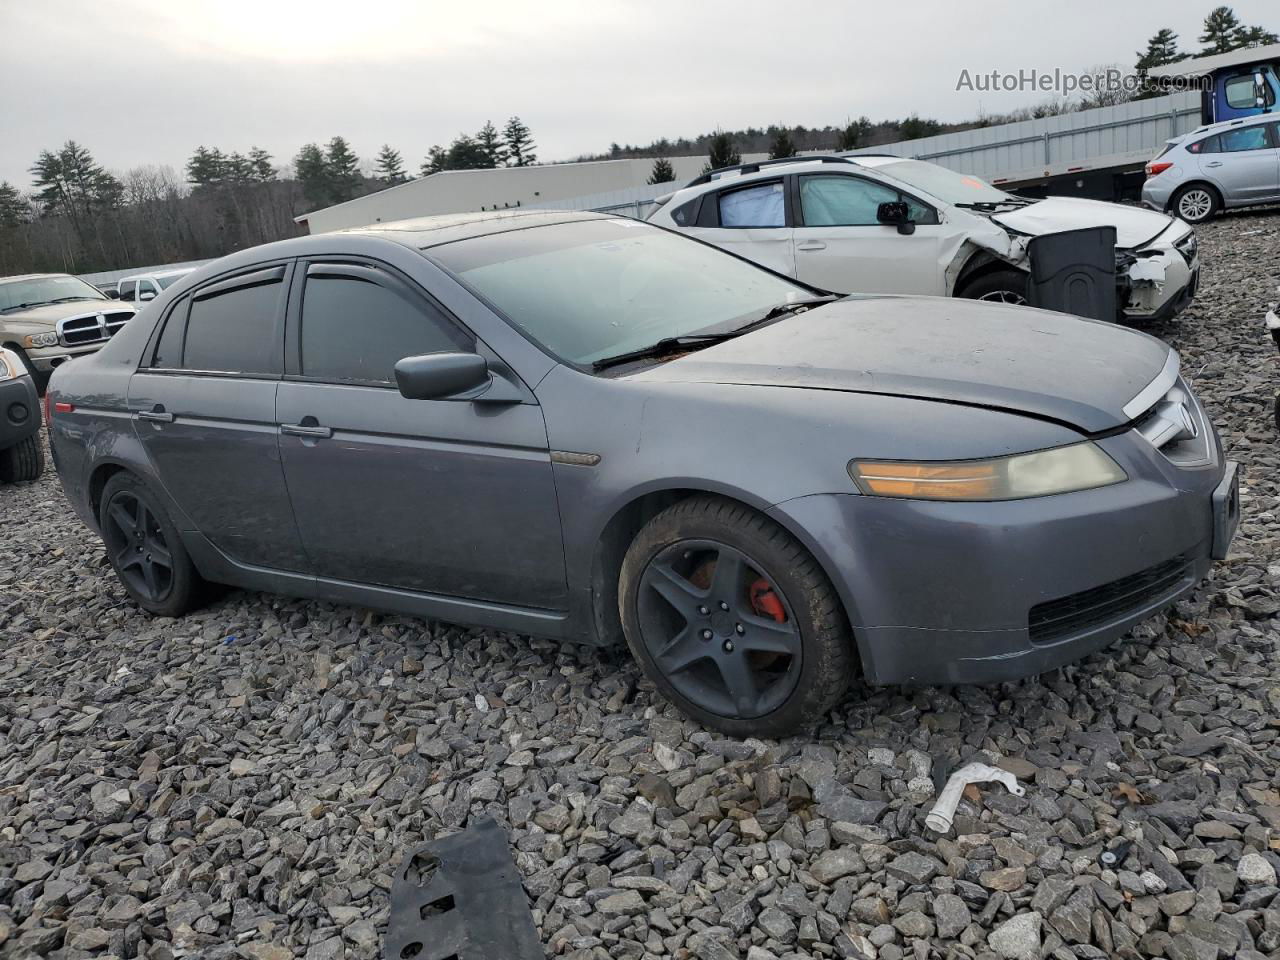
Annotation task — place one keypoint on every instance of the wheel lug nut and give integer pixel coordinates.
(741, 629)
(728, 646)
(707, 634)
(703, 611)
(723, 605)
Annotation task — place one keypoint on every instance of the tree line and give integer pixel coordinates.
(78, 217)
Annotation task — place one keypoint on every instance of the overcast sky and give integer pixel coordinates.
(146, 81)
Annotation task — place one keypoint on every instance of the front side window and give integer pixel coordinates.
(596, 288)
(1244, 138)
(760, 205)
(843, 201)
(128, 290)
(357, 330)
(234, 330)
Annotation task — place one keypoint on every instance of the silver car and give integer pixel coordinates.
(1231, 164)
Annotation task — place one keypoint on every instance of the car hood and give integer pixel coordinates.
(49, 314)
(1081, 373)
(1135, 226)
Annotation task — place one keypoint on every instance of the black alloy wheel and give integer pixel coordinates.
(137, 547)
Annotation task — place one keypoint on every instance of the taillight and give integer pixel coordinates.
(1157, 167)
(48, 407)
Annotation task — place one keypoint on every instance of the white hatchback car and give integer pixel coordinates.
(821, 220)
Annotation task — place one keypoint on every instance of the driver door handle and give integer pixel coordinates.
(811, 245)
(306, 430)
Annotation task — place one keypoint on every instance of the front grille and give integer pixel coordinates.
(1055, 619)
(91, 328)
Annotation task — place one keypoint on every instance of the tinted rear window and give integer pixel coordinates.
(235, 331)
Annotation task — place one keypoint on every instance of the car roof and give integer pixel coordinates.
(31, 276)
(421, 233)
(1237, 122)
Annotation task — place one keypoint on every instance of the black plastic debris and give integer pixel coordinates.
(1075, 272)
(460, 898)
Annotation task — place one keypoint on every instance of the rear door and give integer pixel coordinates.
(750, 221)
(841, 246)
(1243, 162)
(204, 408)
(452, 497)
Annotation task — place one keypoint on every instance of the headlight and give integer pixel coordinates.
(1080, 466)
(11, 366)
(40, 340)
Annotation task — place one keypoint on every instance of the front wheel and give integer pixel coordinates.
(145, 550)
(22, 462)
(1196, 203)
(733, 620)
(999, 286)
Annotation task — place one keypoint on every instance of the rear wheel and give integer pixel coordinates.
(999, 286)
(145, 550)
(1196, 203)
(22, 462)
(733, 620)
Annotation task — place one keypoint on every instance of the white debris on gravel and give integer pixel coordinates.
(168, 791)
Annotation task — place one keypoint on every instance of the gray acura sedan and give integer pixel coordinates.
(594, 429)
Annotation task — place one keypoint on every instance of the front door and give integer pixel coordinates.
(203, 406)
(842, 247)
(447, 497)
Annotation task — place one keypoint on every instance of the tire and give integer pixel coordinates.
(145, 550)
(41, 380)
(1196, 202)
(762, 647)
(999, 286)
(23, 462)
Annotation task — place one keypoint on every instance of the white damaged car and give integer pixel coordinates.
(884, 224)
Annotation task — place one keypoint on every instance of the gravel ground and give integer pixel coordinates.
(242, 782)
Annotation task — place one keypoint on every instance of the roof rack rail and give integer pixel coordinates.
(757, 164)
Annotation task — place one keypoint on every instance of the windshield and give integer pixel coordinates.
(598, 288)
(946, 184)
(45, 290)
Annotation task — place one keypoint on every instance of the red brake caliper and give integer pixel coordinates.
(765, 602)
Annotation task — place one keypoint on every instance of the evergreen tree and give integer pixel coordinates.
(1255, 37)
(854, 134)
(206, 167)
(1161, 49)
(239, 169)
(721, 153)
(465, 153)
(312, 172)
(913, 128)
(13, 209)
(342, 169)
(436, 160)
(389, 165)
(519, 144)
(71, 182)
(782, 146)
(260, 165)
(662, 171)
(1221, 30)
(491, 143)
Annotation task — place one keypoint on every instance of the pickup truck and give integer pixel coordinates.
(48, 318)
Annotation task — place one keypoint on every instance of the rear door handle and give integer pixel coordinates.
(306, 430)
(811, 245)
(1214, 163)
(156, 414)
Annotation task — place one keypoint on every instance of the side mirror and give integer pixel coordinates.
(896, 213)
(147, 295)
(436, 375)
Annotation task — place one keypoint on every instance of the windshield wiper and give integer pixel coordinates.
(23, 306)
(995, 204)
(669, 345)
(69, 299)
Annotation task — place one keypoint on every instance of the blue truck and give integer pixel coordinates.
(1241, 83)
